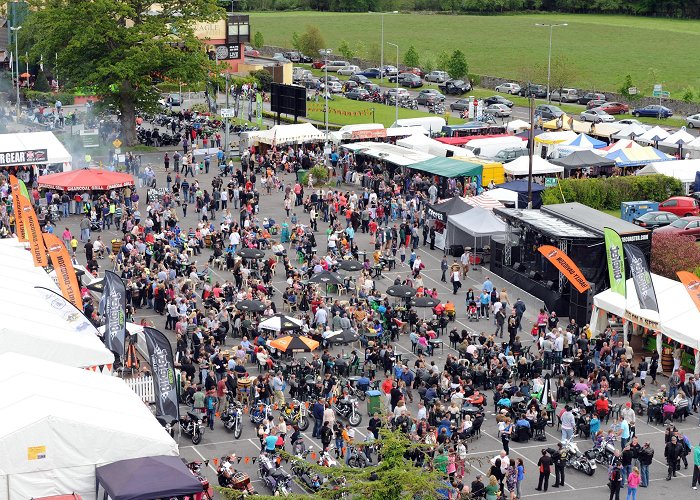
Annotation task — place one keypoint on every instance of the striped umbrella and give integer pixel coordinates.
(292, 343)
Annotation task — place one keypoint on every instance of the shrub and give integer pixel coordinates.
(610, 192)
(264, 79)
(50, 97)
(673, 252)
(42, 84)
(319, 173)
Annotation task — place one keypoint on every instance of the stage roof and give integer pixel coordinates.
(545, 223)
(593, 219)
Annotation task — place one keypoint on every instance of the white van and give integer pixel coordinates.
(432, 124)
(491, 146)
(335, 65)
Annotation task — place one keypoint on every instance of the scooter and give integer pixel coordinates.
(193, 425)
(232, 418)
(275, 477)
(577, 460)
(349, 412)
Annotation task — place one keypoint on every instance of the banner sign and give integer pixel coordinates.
(65, 273)
(67, 311)
(33, 229)
(641, 278)
(259, 109)
(692, 286)
(436, 214)
(566, 266)
(17, 209)
(616, 262)
(160, 357)
(639, 320)
(27, 157)
(113, 309)
(228, 52)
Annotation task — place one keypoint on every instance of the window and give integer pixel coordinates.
(238, 29)
(670, 203)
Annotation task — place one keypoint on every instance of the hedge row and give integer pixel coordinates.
(66, 98)
(610, 192)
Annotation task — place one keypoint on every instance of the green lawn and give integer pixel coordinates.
(603, 49)
(346, 112)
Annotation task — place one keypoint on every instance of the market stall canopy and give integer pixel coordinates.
(695, 145)
(655, 134)
(60, 422)
(584, 141)
(535, 133)
(389, 153)
(521, 187)
(147, 478)
(583, 159)
(520, 166)
(683, 170)
(621, 144)
(633, 130)
(679, 137)
(431, 146)
(554, 137)
(12, 145)
(440, 211)
(502, 195)
(447, 167)
(297, 133)
(677, 318)
(604, 129)
(85, 180)
(637, 156)
(474, 228)
(515, 126)
(484, 201)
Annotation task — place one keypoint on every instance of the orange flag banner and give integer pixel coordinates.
(36, 241)
(692, 286)
(567, 267)
(17, 208)
(67, 279)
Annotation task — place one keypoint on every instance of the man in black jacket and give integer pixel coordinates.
(646, 456)
(317, 412)
(545, 466)
(672, 453)
(559, 458)
(478, 490)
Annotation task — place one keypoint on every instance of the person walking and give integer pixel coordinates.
(456, 283)
(559, 459)
(317, 412)
(672, 453)
(633, 481)
(521, 477)
(545, 465)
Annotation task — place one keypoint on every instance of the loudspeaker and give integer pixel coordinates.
(581, 304)
(535, 275)
(553, 285)
(519, 266)
(457, 250)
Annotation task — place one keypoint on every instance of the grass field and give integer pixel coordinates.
(343, 111)
(603, 49)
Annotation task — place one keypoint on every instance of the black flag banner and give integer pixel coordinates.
(641, 277)
(113, 310)
(160, 357)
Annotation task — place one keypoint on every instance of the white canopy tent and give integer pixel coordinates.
(390, 153)
(683, 170)
(516, 126)
(520, 167)
(473, 228)
(615, 146)
(631, 130)
(679, 137)
(297, 133)
(56, 153)
(59, 423)
(31, 325)
(654, 135)
(483, 201)
(425, 144)
(503, 195)
(693, 145)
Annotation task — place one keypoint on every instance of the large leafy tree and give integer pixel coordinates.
(118, 46)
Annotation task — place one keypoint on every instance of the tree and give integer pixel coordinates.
(258, 40)
(411, 57)
(673, 252)
(116, 46)
(562, 72)
(625, 89)
(457, 66)
(345, 50)
(42, 83)
(443, 61)
(311, 40)
(428, 64)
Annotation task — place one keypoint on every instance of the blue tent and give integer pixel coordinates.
(627, 157)
(520, 187)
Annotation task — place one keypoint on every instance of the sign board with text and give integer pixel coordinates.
(228, 113)
(228, 52)
(27, 157)
(550, 181)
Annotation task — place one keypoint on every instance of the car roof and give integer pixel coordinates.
(691, 218)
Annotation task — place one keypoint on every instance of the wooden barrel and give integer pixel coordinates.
(116, 246)
(207, 241)
(667, 360)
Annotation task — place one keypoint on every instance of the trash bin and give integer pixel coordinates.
(374, 402)
(300, 175)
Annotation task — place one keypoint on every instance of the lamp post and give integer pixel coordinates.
(16, 29)
(396, 97)
(381, 62)
(549, 58)
(325, 53)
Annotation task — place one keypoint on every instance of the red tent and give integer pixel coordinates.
(85, 180)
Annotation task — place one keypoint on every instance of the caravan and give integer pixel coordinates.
(432, 124)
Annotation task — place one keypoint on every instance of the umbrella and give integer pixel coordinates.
(340, 336)
(250, 305)
(251, 253)
(350, 265)
(545, 398)
(86, 179)
(281, 323)
(401, 291)
(24, 75)
(293, 344)
(424, 302)
(97, 286)
(326, 278)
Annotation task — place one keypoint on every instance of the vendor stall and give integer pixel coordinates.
(33, 153)
(521, 188)
(520, 167)
(474, 228)
(579, 143)
(585, 162)
(683, 170)
(298, 133)
(631, 157)
(420, 142)
(438, 214)
(86, 180)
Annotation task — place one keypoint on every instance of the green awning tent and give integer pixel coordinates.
(447, 167)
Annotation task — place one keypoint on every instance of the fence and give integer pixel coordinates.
(143, 387)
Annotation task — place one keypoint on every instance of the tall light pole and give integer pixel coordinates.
(396, 97)
(325, 53)
(381, 62)
(16, 30)
(549, 58)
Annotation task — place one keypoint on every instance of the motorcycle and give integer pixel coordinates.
(168, 426)
(295, 413)
(192, 425)
(275, 478)
(232, 418)
(196, 469)
(357, 459)
(577, 460)
(229, 477)
(260, 413)
(326, 460)
(603, 454)
(348, 411)
(309, 479)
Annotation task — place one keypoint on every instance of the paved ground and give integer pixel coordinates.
(220, 442)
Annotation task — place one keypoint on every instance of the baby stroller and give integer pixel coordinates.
(472, 311)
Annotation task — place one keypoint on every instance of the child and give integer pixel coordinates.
(632, 482)
(402, 255)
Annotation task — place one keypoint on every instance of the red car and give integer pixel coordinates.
(615, 108)
(417, 71)
(688, 226)
(682, 206)
(317, 64)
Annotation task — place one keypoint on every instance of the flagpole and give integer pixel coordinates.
(26, 55)
(56, 71)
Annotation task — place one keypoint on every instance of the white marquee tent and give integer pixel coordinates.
(654, 135)
(631, 130)
(683, 170)
(296, 133)
(679, 137)
(420, 142)
(502, 195)
(55, 151)
(59, 423)
(519, 167)
(473, 228)
(389, 153)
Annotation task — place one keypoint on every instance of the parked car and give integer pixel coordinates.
(548, 111)
(318, 64)
(630, 121)
(687, 226)
(335, 87)
(508, 88)
(510, 154)
(417, 71)
(596, 115)
(371, 87)
(311, 82)
(615, 108)
(390, 70)
(251, 52)
(358, 94)
(398, 76)
(335, 65)
(279, 57)
(653, 111)
(400, 92)
(693, 121)
(348, 70)
(359, 79)
(455, 87)
(591, 96)
(297, 57)
(437, 77)
(371, 73)
(499, 110)
(539, 91)
(682, 206)
(497, 99)
(652, 220)
(564, 95)
(429, 95)
(350, 85)
(595, 103)
(411, 81)
(460, 105)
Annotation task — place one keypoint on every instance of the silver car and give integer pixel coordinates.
(693, 121)
(596, 115)
(499, 110)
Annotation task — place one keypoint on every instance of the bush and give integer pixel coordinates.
(42, 83)
(673, 252)
(50, 97)
(609, 193)
(264, 79)
(319, 173)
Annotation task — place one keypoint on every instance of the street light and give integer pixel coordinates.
(396, 97)
(325, 53)
(16, 29)
(549, 59)
(381, 62)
